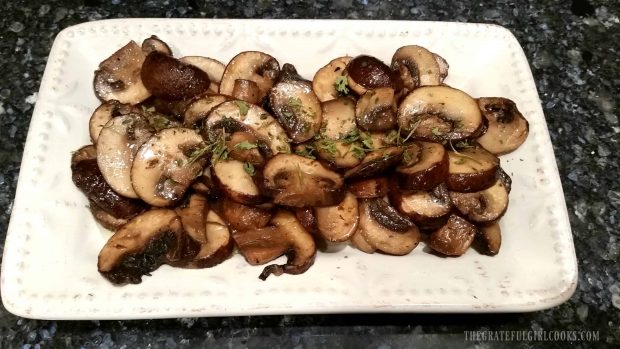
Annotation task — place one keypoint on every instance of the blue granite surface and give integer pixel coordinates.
(574, 51)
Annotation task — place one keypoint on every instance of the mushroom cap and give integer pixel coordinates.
(256, 66)
(454, 238)
(297, 108)
(213, 68)
(169, 78)
(507, 128)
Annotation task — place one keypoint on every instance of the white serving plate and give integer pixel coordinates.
(49, 267)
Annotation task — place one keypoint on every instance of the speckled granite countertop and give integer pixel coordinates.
(576, 64)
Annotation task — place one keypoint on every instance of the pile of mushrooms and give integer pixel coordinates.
(192, 159)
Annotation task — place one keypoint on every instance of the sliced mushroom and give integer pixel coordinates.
(162, 171)
(193, 216)
(471, 169)
(246, 90)
(87, 177)
(243, 217)
(418, 66)
(375, 163)
(395, 242)
(264, 126)
(440, 113)
(358, 241)
(216, 243)
(256, 66)
(376, 109)
(118, 77)
(169, 78)
(244, 146)
(507, 128)
(297, 108)
(454, 238)
(197, 110)
(426, 170)
(367, 72)
(142, 245)
(106, 220)
(204, 183)
(261, 245)
(491, 235)
(307, 218)
(232, 179)
(153, 43)
(167, 107)
(484, 206)
(340, 153)
(338, 118)
(104, 113)
(326, 78)
(427, 209)
(296, 181)
(338, 223)
(369, 188)
(213, 68)
(117, 145)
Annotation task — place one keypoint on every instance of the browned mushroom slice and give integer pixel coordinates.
(167, 107)
(233, 180)
(117, 146)
(169, 78)
(261, 245)
(427, 209)
(104, 113)
(154, 43)
(454, 238)
(338, 223)
(507, 128)
(106, 220)
(399, 238)
(213, 68)
(87, 177)
(358, 241)
(163, 169)
(142, 245)
(418, 66)
(440, 113)
(264, 126)
(369, 188)
(216, 243)
(425, 171)
(375, 163)
(297, 108)
(491, 235)
(340, 153)
(246, 90)
(204, 183)
(307, 218)
(471, 169)
(243, 217)
(484, 206)
(367, 72)
(118, 77)
(197, 110)
(376, 109)
(256, 66)
(326, 79)
(193, 215)
(244, 146)
(296, 181)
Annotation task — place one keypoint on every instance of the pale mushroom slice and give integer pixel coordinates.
(262, 124)
(104, 113)
(199, 108)
(471, 169)
(168, 78)
(164, 168)
(246, 90)
(297, 108)
(507, 128)
(427, 209)
(216, 243)
(426, 170)
(337, 223)
(256, 66)
(417, 67)
(484, 206)
(213, 68)
(339, 144)
(231, 177)
(117, 145)
(153, 43)
(330, 81)
(358, 241)
(385, 229)
(454, 238)
(366, 73)
(491, 235)
(440, 113)
(376, 109)
(296, 181)
(142, 245)
(118, 76)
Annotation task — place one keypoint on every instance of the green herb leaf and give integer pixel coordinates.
(341, 84)
(351, 136)
(158, 122)
(198, 153)
(435, 131)
(243, 107)
(358, 151)
(367, 140)
(249, 168)
(307, 151)
(295, 103)
(329, 147)
(245, 145)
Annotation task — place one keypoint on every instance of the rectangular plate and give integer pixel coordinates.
(49, 267)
